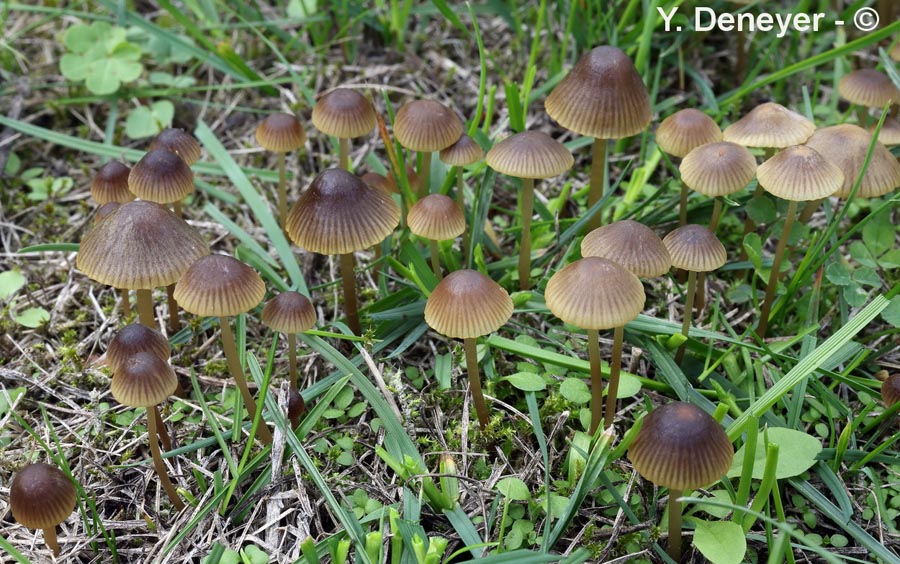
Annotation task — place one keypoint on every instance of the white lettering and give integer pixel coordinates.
(699, 12)
(667, 18)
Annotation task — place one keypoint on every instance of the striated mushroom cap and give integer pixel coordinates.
(467, 304)
(770, 126)
(846, 146)
(436, 217)
(427, 126)
(143, 380)
(800, 174)
(695, 248)
(344, 113)
(595, 293)
(686, 130)
(530, 154)
(289, 312)
(178, 141)
(630, 244)
(280, 133)
(110, 184)
(162, 177)
(718, 169)
(219, 286)
(41, 496)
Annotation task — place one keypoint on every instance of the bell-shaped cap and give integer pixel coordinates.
(344, 113)
(630, 244)
(133, 339)
(695, 248)
(110, 184)
(770, 126)
(467, 304)
(143, 380)
(889, 135)
(289, 312)
(681, 447)
(603, 96)
(436, 217)
(427, 126)
(530, 154)
(41, 496)
(595, 293)
(296, 406)
(799, 174)
(464, 152)
(340, 214)
(890, 390)
(869, 88)
(686, 130)
(162, 177)
(379, 182)
(219, 286)
(280, 133)
(140, 245)
(846, 146)
(178, 141)
(718, 169)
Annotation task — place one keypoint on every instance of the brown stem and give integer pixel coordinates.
(674, 548)
(145, 307)
(126, 303)
(282, 191)
(176, 208)
(344, 153)
(292, 359)
(527, 202)
(598, 171)
(716, 214)
(234, 365)
(461, 200)
(688, 313)
(615, 366)
(158, 461)
(174, 321)
(682, 211)
(475, 382)
(435, 258)
(425, 175)
(809, 209)
(749, 225)
(351, 307)
(162, 431)
(776, 270)
(50, 539)
(376, 259)
(700, 296)
(593, 337)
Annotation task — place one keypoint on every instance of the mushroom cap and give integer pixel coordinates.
(379, 182)
(427, 126)
(869, 88)
(467, 304)
(695, 248)
(595, 293)
(530, 154)
(846, 146)
(280, 133)
(411, 175)
(895, 52)
(289, 312)
(681, 447)
(686, 130)
(41, 496)
(630, 244)
(603, 96)
(889, 134)
(296, 405)
(890, 390)
(110, 184)
(104, 211)
(133, 339)
(143, 380)
(436, 217)
(162, 177)
(464, 152)
(178, 141)
(770, 126)
(340, 214)
(140, 245)
(219, 286)
(718, 169)
(344, 113)
(800, 174)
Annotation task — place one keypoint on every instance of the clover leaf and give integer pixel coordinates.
(100, 55)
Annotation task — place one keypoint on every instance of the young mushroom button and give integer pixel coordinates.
(178, 141)
(345, 114)
(110, 184)
(426, 126)
(290, 313)
(41, 496)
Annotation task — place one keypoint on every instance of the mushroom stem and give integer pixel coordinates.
(145, 307)
(475, 382)
(174, 321)
(615, 366)
(425, 175)
(461, 200)
(350, 304)
(688, 313)
(527, 202)
(162, 431)
(158, 461)
(674, 548)
(292, 359)
(776, 270)
(435, 258)
(716, 214)
(682, 211)
(282, 191)
(344, 153)
(598, 172)
(126, 303)
(176, 207)
(809, 209)
(234, 365)
(50, 539)
(593, 337)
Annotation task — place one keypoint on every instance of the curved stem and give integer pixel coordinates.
(435, 258)
(282, 191)
(716, 214)
(126, 303)
(351, 306)
(162, 431)
(234, 365)
(776, 270)
(674, 548)
(593, 337)
(527, 202)
(461, 200)
(598, 173)
(50, 539)
(475, 382)
(809, 209)
(344, 153)
(145, 307)
(682, 211)
(615, 366)
(688, 313)
(174, 321)
(425, 175)
(292, 358)
(158, 461)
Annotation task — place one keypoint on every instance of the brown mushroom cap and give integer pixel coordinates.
(178, 141)
(467, 304)
(869, 88)
(437, 217)
(695, 248)
(296, 405)
(143, 380)
(289, 312)
(603, 96)
(800, 174)
(630, 244)
(340, 214)
(846, 146)
(219, 286)
(770, 126)
(895, 52)
(379, 182)
(104, 211)
(41, 496)
(464, 152)
(427, 126)
(889, 134)
(411, 175)
(280, 133)
(890, 390)
(140, 245)
(686, 130)
(681, 447)
(595, 293)
(133, 339)
(530, 154)
(344, 113)
(162, 177)
(110, 184)
(718, 169)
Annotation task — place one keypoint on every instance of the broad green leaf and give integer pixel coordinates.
(867, 277)
(721, 542)
(716, 510)
(838, 274)
(146, 121)
(527, 381)
(862, 255)
(575, 390)
(514, 489)
(879, 234)
(761, 210)
(253, 555)
(11, 282)
(32, 317)
(800, 447)
(100, 56)
(890, 259)
(854, 295)
(753, 246)
(891, 313)
(629, 386)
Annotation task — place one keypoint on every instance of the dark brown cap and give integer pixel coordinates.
(464, 152)
(344, 113)
(289, 312)
(718, 169)
(467, 304)
(296, 407)
(695, 248)
(280, 133)
(437, 217)
(143, 380)
(426, 125)
(846, 146)
(219, 286)
(178, 141)
(630, 244)
(161, 177)
(379, 182)
(105, 211)
(890, 390)
(133, 339)
(41, 496)
(595, 293)
(110, 184)
(686, 130)
(800, 174)
(771, 126)
(530, 154)
(869, 88)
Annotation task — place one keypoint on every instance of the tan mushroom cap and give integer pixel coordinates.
(630, 244)
(436, 217)
(427, 126)
(162, 177)
(110, 184)
(41, 496)
(889, 135)
(718, 169)
(464, 152)
(695, 248)
(890, 390)
(595, 293)
(681, 447)
(686, 130)
(340, 214)
(530, 154)
(280, 133)
(178, 141)
(379, 182)
(133, 339)
(771, 126)
(800, 174)
(467, 304)
(219, 286)
(289, 312)
(140, 245)
(846, 146)
(603, 96)
(143, 380)
(344, 113)
(869, 88)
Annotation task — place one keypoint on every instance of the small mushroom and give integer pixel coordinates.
(426, 126)
(437, 218)
(345, 114)
(41, 496)
(890, 388)
(162, 177)
(281, 133)
(889, 135)
(290, 313)
(296, 407)
(178, 141)
(464, 152)
(717, 170)
(110, 184)
(630, 244)
(868, 88)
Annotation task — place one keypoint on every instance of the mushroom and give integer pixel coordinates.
(103, 212)
(41, 496)
(682, 448)
(889, 135)
(466, 305)
(890, 388)
(717, 170)
(296, 407)
(345, 114)
(867, 88)
(290, 313)
(437, 218)
(630, 244)
(281, 133)
(162, 177)
(426, 126)
(110, 184)
(846, 146)
(177, 141)
(464, 152)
